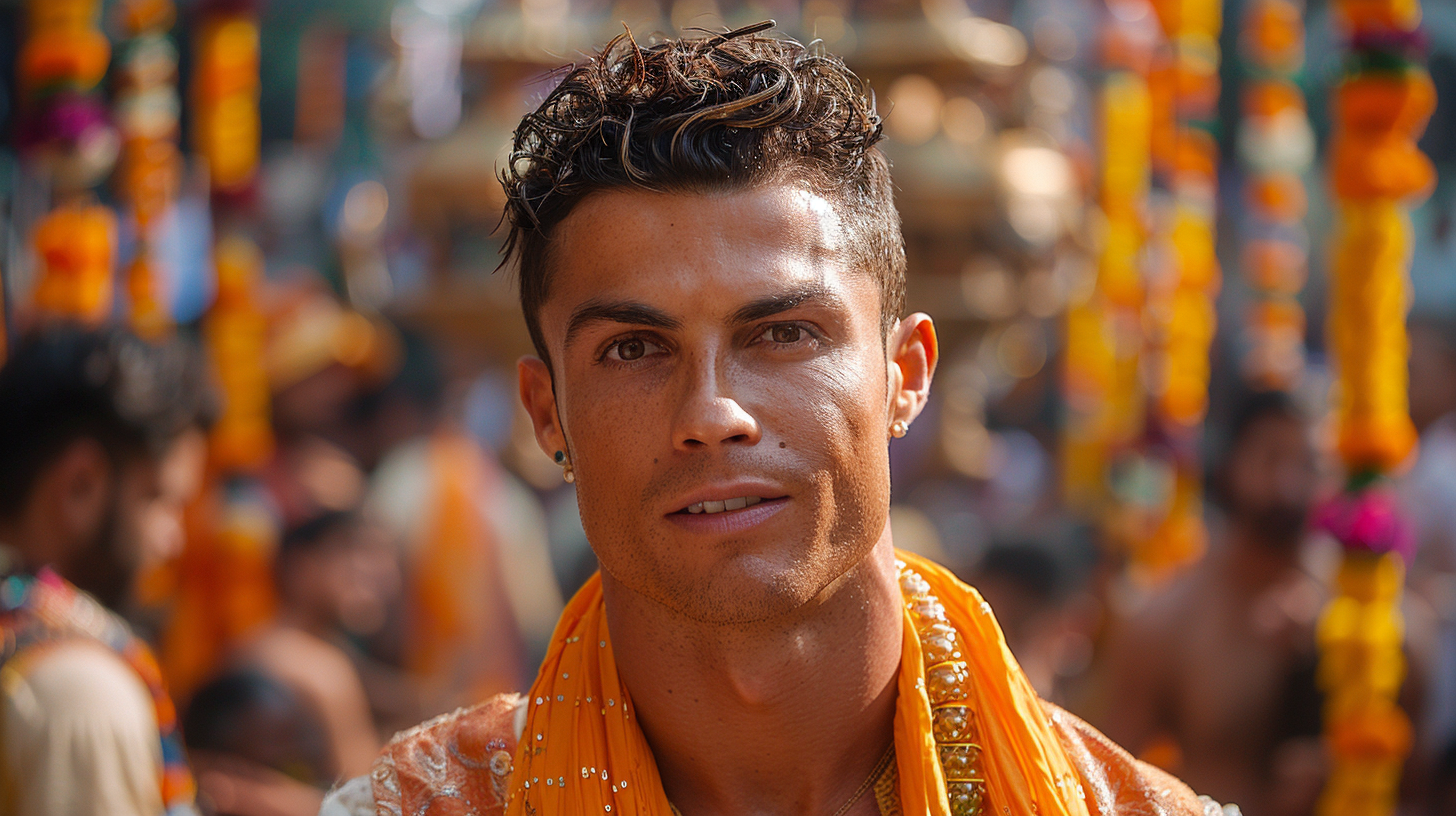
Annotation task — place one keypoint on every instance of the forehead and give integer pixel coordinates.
(633, 242)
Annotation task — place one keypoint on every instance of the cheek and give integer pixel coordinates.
(836, 421)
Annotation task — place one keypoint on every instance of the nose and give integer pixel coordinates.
(708, 415)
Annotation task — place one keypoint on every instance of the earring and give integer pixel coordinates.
(566, 473)
(899, 428)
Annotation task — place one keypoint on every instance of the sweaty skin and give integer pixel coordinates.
(707, 347)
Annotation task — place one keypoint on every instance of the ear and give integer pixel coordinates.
(913, 354)
(80, 488)
(539, 397)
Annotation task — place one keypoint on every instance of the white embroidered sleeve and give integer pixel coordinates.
(353, 798)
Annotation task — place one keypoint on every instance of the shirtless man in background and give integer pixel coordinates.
(1222, 661)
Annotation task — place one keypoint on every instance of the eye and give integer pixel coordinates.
(786, 334)
(632, 349)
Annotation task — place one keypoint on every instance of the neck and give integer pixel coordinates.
(306, 619)
(811, 697)
(1256, 561)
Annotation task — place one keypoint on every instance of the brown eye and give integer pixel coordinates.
(786, 334)
(631, 350)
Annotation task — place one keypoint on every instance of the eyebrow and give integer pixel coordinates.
(784, 301)
(628, 312)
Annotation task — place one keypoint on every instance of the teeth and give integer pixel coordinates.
(727, 504)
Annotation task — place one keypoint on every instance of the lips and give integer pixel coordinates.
(719, 506)
(725, 497)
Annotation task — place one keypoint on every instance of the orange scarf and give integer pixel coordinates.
(583, 753)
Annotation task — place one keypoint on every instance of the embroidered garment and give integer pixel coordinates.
(40, 610)
(970, 734)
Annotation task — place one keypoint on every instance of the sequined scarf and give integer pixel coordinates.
(44, 608)
(971, 736)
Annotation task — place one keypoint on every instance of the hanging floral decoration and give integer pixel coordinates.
(147, 112)
(67, 139)
(224, 574)
(226, 132)
(1381, 107)
(1276, 147)
(1100, 375)
(1182, 279)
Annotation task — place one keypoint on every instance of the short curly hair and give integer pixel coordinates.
(705, 114)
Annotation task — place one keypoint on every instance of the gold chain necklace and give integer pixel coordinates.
(869, 782)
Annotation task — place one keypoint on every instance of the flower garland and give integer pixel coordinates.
(147, 112)
(1179, 312)
(225, 95)
(225, 90)
(225, 589)
(64, 133)
(1276, 146)
(1382, 106)
(1101, 382)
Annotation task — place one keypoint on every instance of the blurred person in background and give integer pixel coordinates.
(479, 586)
(1222, 661)
(102, 440)
(712, 271)
(256, 749)
(336, 573)
(1429, 493)
(322, 357)
(1048, 620)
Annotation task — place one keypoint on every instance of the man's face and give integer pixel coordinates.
(1272, 477)
(142, 526)
(721, 384)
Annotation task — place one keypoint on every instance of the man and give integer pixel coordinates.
(335, 573)
(257, 749)
(712, 272)
(1221, 663)
(1429, 492)
(102, 441)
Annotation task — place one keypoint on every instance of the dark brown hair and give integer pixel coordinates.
(716, 113)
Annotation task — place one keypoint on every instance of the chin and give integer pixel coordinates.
(744, 586)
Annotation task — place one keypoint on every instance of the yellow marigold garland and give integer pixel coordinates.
(1179, 314)
(1381, 107)
(1100, 374)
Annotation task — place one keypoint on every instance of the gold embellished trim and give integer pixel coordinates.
(947, 683)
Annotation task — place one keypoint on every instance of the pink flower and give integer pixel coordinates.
(1369, 520)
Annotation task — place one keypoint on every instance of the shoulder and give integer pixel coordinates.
(470, 750)
(1119, 785)
(76, 718)
(76, 681)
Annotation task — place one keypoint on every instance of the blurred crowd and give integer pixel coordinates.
(395, 558)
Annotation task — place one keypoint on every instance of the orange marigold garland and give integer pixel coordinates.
(1381, 108)
(224, 576)
(147, 111)
(66, 136)
(1182, 283)
(1276, 147)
